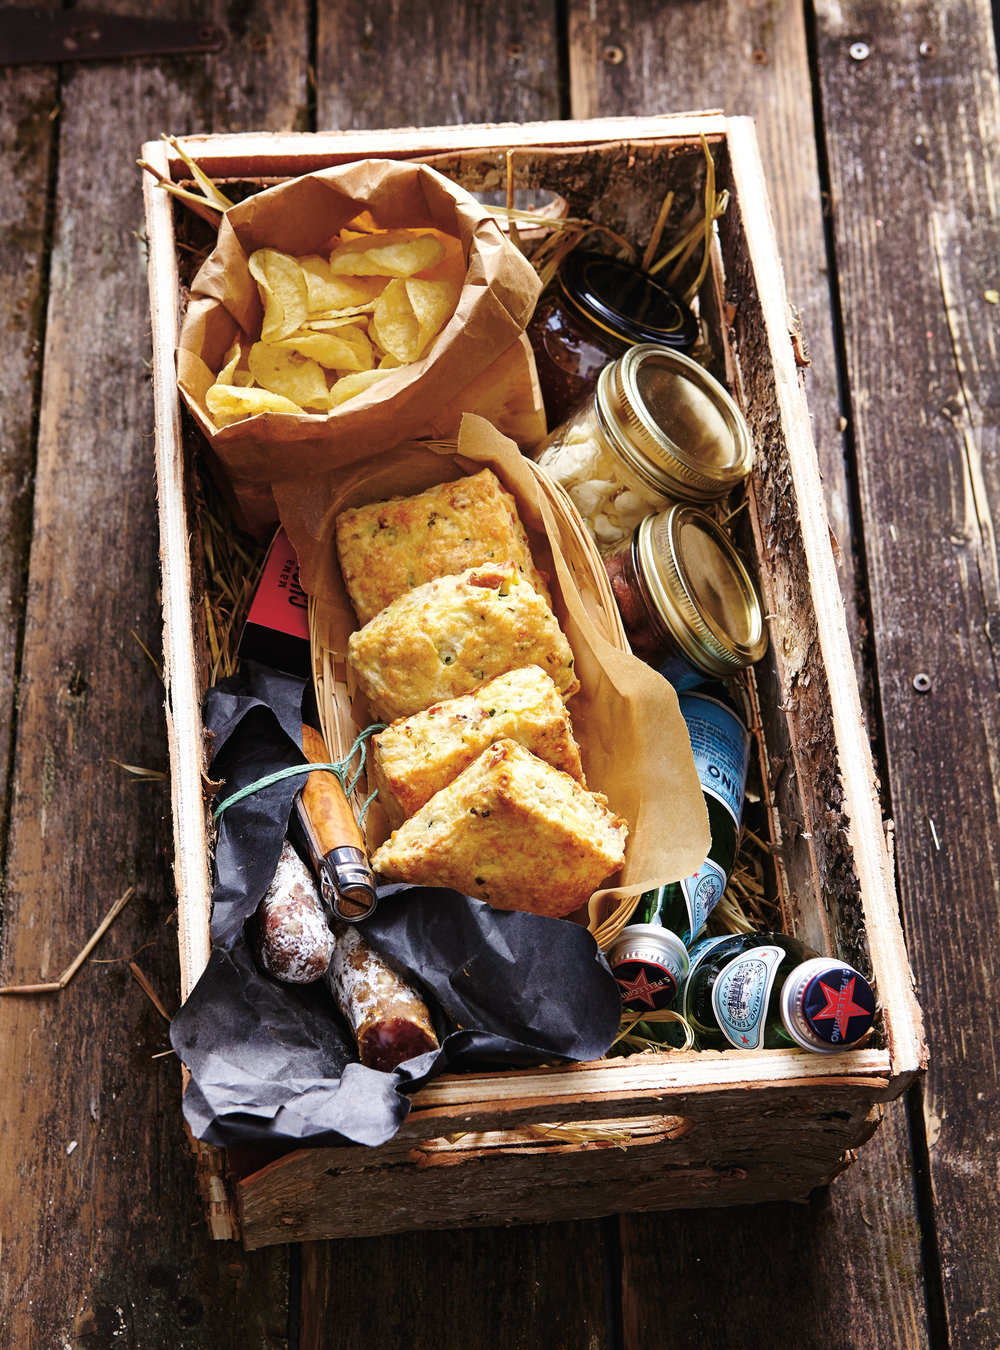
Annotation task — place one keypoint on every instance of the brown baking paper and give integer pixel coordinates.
(481, 361)
(633, 739)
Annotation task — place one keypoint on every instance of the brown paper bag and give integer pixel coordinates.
(633, 739)
(481, 361)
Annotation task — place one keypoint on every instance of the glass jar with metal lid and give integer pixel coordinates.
(657, 428)
(596, 308)
(687, 602)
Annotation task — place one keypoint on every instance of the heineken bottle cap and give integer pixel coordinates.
(649, 963)
(827, 1006)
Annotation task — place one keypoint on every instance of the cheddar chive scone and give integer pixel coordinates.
(510, 830)
(388, 548)
(454, 633)
(418, 755)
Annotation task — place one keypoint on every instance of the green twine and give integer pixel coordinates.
(339, 769)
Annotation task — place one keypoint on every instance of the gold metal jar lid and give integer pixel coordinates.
(698, 582)
(673, 424)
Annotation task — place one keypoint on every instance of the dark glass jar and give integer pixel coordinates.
(687, 603)
(595, 309)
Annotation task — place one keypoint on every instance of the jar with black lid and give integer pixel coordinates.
(687, 602)
(596, 308)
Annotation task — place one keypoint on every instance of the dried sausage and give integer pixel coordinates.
(389, 1019)
(291, 937)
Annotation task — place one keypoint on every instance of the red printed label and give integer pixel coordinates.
(280, 602)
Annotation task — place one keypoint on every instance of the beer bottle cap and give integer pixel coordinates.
(649, 963)
(826, 1005)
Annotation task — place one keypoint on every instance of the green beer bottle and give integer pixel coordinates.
(721, 745)
(766, 991)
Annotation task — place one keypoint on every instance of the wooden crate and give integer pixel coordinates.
(654, 1131)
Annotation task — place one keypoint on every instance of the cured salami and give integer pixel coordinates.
(389, 1019)
(291, 938)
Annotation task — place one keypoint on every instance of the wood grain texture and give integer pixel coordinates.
(392, 64)
(781, 1274)
(753, 58)
(108, 1245)
(519, 1288)
(29, 109)
(912, 120)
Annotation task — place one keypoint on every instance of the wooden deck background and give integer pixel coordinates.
(880, 129)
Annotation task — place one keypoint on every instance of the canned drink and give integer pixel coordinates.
(650, 964)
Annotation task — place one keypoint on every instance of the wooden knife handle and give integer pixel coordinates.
(325, 801)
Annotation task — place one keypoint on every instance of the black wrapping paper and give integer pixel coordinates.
(274, 1063)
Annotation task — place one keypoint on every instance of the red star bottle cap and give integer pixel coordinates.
(650, 964)
(827, 1006)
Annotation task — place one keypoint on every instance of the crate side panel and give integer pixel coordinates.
(824, 900)
(789, 1143)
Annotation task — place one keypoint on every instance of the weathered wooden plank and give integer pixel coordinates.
(912, 108)
(29, 110)
(393, 64)
(776, 1274)
(105, 1240)
(525, 1287)
(754, 59)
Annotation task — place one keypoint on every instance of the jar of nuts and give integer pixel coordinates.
(656, 428)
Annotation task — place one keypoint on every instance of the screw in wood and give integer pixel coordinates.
(922, 682)
(860, 51)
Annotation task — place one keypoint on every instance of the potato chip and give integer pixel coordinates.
(394, 326)
(229, 364)
(332, 320)
(344, 349)
(392, 253)
(327, 292)
(355, 384)
(410, 314)
(452, 266)
(294, 377)
(433, 304)
(283, 290)
(228, 405)
(364, 223)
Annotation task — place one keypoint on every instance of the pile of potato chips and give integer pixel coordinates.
(333, 326)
